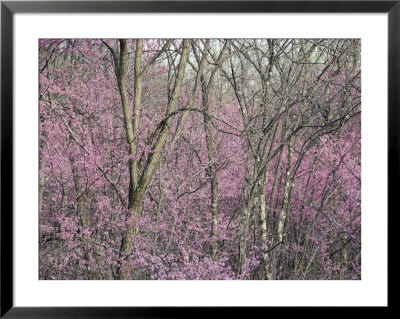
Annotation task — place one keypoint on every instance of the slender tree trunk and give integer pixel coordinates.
(135, 199)
(212, 170)
(285, 203)
(136, 117)
(121, 71)
(284, 207)
(244, 225)
(263, 219)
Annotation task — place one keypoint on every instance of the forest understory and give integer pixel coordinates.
(200, 159)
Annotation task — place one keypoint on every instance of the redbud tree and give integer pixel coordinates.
(200, 159)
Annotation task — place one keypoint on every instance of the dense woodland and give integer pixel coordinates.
(200, 159)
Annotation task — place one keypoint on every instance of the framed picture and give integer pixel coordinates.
(162, 155)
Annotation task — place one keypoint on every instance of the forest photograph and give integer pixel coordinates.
(199, 159)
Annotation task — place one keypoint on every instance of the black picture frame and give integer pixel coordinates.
(9, 8)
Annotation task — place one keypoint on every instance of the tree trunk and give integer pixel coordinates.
(135, 199)
(212, 170)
